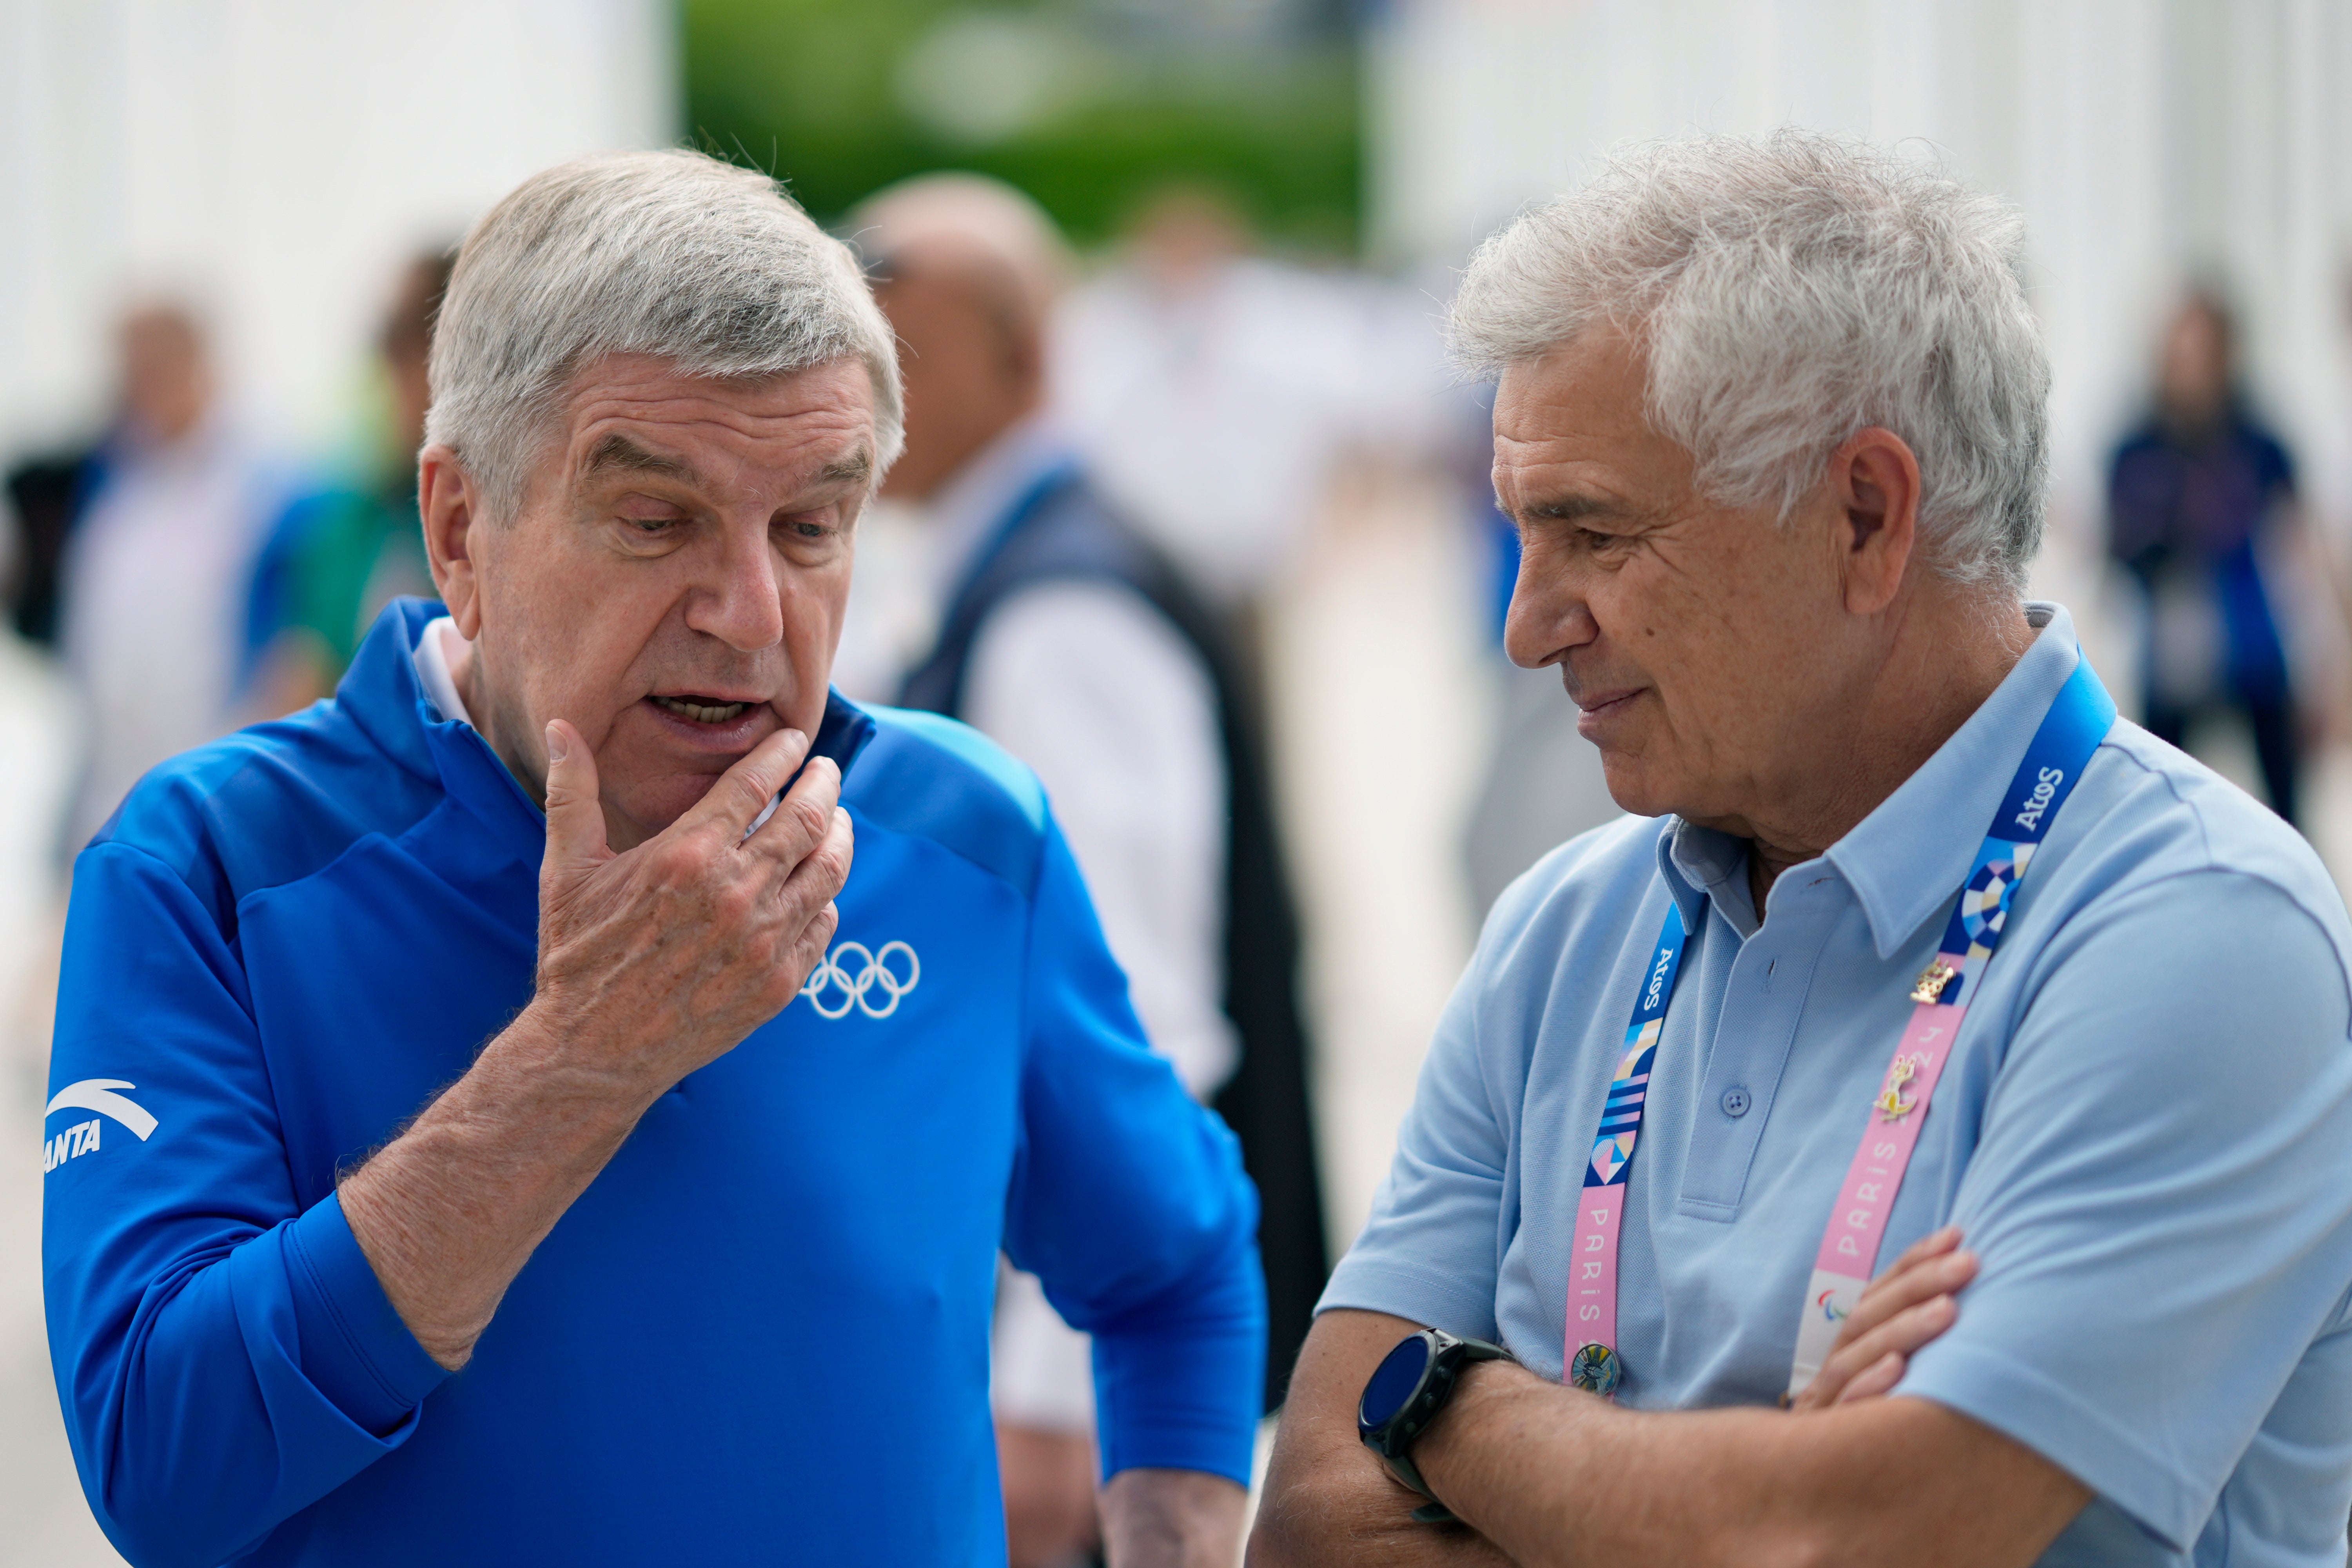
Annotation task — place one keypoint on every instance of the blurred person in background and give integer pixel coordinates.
(173, 570)
(357, 547)
(47, 496)
(1074, 645)
(1215, 392)
(467, 1139)
(2201, 513)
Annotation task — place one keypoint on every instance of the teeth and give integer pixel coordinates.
(716, 713)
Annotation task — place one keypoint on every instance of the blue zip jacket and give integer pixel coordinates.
(761, 1334)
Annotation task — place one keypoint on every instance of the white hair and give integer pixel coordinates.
(1787, 293)
(671, 254)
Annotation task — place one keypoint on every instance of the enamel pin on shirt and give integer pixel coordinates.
(2078, 720)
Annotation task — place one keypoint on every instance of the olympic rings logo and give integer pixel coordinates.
(850, 975)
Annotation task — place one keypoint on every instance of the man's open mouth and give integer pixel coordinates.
(702, 710)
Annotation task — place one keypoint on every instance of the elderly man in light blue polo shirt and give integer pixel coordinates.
(1916, 964)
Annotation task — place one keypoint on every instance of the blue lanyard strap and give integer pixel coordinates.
(2069, 732)
(1629, 1091)
(2078, 720)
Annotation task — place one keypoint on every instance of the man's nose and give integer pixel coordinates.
(1548, 614)
(742, 602)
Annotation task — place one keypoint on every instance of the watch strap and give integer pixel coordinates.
(1461, 1353)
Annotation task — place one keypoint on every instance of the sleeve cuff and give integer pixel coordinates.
(1203, 1419)
(2057, 1423)
(354, 1347)
(1185, 1392)
(1406, 1291)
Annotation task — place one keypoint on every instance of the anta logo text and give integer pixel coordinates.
(2044, 790)
(82, 1138)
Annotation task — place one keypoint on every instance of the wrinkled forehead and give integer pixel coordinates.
(1599, 378)
(635, 415)
(1580, 410)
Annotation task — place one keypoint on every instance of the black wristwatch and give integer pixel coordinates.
(1407, 1390)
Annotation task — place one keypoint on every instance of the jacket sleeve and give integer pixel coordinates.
(1129, 1203)
(225, 1357)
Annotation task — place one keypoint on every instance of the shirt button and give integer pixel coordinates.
(1735, 1101)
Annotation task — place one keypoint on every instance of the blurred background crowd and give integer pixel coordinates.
(224, 227)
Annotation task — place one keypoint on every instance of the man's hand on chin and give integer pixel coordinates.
(653, 962)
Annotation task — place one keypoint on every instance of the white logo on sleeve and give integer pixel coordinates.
(871, 981)
(91, 1094)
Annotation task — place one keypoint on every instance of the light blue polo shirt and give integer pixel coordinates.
(2145, 1128)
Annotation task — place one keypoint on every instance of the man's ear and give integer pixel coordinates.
(1873, 481)
(450, 504)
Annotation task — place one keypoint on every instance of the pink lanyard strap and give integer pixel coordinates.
(2069, 732)
(1857, 1226)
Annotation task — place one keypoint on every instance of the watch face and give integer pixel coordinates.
(1394, 1382)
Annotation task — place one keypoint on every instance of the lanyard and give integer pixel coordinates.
(2077, 722)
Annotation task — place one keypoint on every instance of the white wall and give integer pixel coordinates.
(280, 158)
(2140, 137)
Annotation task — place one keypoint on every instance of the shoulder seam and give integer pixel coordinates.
(203, 839)
(916, 722)
(2213, 868)
(2172, 786)
(143, 853)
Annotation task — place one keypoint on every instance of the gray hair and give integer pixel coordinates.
(1787, 293)
(673, 254)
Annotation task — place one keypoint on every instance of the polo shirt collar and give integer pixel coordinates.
(1906, 859)
(1700, 864)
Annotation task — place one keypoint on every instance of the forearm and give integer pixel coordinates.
(449, 1211)
(1556, 1477)
(1350, 1512)
(254, 1385)
(1328, 1502)
(1171, 1519)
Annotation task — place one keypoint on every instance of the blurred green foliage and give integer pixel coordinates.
(1089, 107)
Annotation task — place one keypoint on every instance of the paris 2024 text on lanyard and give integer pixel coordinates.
(2077, 722)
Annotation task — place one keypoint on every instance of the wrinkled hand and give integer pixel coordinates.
(656, 960)
(1903, 1308)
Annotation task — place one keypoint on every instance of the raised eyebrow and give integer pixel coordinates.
(617, 451)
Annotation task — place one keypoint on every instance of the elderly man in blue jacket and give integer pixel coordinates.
(492, 1121)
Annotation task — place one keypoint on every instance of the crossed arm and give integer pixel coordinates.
(1542, 1474)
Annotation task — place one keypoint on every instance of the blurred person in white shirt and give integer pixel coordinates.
(1215, 392)
(1068, 639)
(166, 601)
